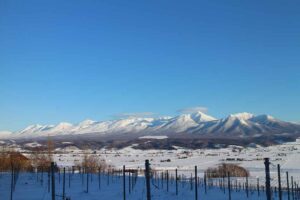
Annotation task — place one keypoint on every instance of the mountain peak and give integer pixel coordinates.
(32, 128)
(201, 117)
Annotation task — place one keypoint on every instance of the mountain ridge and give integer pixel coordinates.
(198, 123)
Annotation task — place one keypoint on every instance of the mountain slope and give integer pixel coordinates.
(195, 124)
(246, 125)
(184, 122)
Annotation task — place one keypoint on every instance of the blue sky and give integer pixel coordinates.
(72, 60)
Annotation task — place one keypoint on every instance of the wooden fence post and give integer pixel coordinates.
(176, 179)
(205, 177)
(288, 185)
(293, 195)
(64, 185)
(12, 182)
(129, 183)
(196, 186)
(52, 181)
(167, 181)
(268, 178)
(124, 184)
(147, 175)
(279, 182)
(229, 186)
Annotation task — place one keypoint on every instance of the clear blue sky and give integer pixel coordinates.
(72, 60)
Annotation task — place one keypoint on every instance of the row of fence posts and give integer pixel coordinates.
(132, 179)
(293, 193)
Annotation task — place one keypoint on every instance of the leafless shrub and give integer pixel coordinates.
(92, 163)
(223, 169)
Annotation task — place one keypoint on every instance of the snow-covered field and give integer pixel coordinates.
(287, 155)
(32, 187)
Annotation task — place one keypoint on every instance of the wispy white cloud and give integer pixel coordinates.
(193, 109)
(139, 114)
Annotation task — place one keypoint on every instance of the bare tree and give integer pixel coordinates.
(41, 160)
(50, 149)
(92, 163)
(4, 159)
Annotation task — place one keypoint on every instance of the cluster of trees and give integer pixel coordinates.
(40, 159)
(223, 170)
(9, 159)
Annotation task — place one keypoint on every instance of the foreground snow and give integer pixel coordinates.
(287, 155)
(29, 187)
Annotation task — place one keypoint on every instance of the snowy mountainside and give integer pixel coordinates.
(195, 124)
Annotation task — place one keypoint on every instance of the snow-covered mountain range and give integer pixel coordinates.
(198, 123)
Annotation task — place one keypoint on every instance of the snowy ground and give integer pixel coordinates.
(29, 187)
(287, 155)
